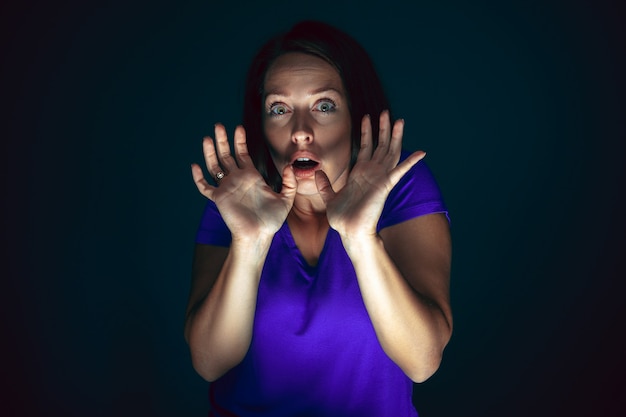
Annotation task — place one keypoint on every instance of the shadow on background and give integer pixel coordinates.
(520, 107)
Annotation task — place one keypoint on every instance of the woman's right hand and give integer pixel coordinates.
(249, 207)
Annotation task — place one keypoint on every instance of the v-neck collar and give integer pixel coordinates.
(291, 242)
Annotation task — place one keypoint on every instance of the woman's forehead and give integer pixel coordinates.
(299, 70)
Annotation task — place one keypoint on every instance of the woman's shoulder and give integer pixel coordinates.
(212, 229)
(416, 194)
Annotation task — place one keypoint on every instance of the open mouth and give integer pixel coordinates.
(304, 164)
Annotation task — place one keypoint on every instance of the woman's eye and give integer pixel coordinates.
(326, 106)
(278, 109)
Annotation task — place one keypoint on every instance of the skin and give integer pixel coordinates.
(403, 272)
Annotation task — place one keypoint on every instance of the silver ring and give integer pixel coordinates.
(219, 175)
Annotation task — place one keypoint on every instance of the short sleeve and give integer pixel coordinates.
(212, 229)
(415, 195)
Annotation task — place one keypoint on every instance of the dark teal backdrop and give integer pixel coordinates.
(520, 106)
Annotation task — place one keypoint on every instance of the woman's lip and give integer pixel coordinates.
(304, 154)
(305, 172)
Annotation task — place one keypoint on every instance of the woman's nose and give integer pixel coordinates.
(302, 130)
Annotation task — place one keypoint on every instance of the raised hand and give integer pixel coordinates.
(354, 211)
(249, 207)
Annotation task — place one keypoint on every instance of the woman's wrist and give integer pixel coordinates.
(361, 243)
(259, 242)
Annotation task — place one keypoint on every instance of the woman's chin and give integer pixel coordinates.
(306, 186)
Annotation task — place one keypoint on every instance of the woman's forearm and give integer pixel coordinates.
(219, 330)
(412, 329)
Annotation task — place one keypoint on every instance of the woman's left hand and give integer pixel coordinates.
(355, 210)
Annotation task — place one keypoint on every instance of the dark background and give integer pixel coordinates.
(520, 106)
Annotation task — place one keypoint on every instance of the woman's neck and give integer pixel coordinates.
(309, 230)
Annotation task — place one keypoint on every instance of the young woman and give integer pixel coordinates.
(321, 271)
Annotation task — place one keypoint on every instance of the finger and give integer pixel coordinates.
(223, 149)
(210, 156)
(398, 172)
(384, 131)
(290, 184)
(397, 133)
(203, 186)
(241, 147)
(365, 152)
(323, 186)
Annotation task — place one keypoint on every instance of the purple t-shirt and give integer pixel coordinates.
(314, 351)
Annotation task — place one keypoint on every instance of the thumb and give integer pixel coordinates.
(323, 186)
(290, 183)
(398, 172)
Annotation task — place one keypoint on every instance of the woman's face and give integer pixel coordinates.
(306, 120)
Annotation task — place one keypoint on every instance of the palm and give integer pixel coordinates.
(249, 206)
(357, 207)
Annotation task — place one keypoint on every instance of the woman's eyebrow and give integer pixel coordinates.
(325, 90)
(281, 93)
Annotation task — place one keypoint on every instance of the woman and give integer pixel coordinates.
(321, 271)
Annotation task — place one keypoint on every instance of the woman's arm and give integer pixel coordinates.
(403, 272)
(222, 302)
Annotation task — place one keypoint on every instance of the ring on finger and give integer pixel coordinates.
(219, 175)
